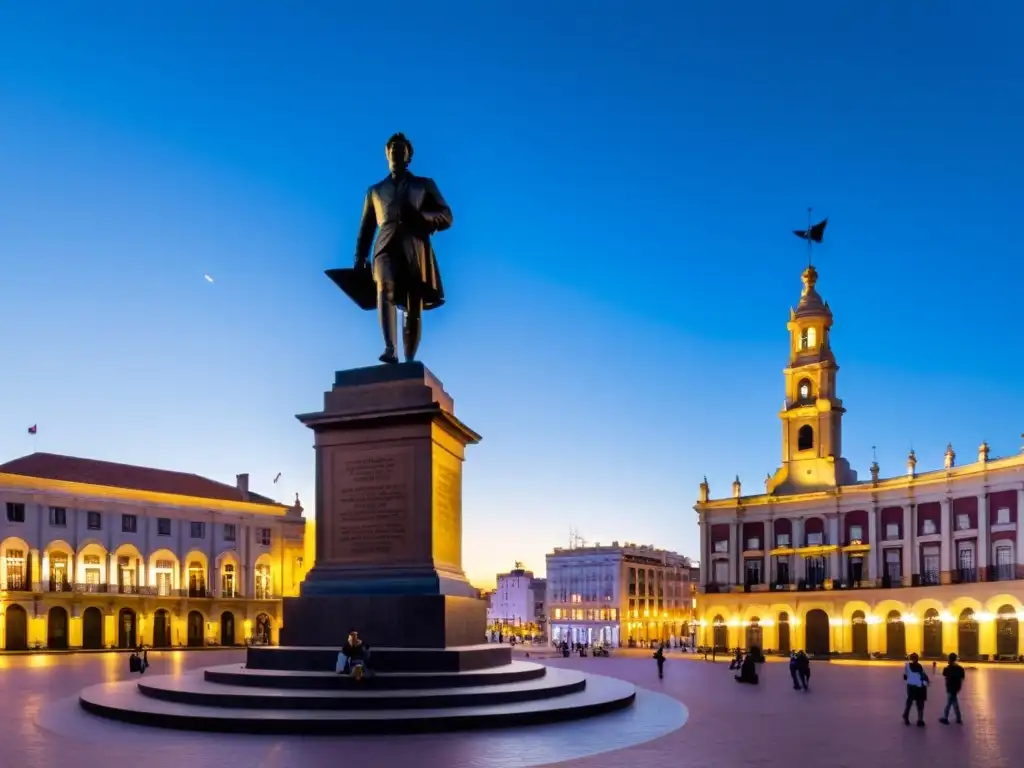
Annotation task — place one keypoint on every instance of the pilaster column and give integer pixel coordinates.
(112, 570)
(734, 556)
(1019, 554)
(907, 550)
(45, 573)
(946, 549)
(982, 553)
(766, 545)
(797, 540)
(915, 554)
(834, 571)
(873, 540)
(705, 561)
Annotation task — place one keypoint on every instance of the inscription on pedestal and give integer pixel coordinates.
(447, 504)
(372, 506)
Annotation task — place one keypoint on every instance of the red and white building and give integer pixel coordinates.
(925, 562)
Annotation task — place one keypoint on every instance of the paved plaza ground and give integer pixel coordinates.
(851, 717)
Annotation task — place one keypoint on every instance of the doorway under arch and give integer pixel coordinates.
(92, 628)
(895, 636)
(263, 629)
(755, 635)
(16, 628)
(859, 632)
(720, 634)
(227, 628)
(161, 629)
(817, 629)
(127, 636)
(931, 640)
(784, 642)
(967, 635)
(1007, 631)
(195, 629)
(57, 628)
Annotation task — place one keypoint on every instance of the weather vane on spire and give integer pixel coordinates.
(813, 234)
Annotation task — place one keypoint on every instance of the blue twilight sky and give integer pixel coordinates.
(624, 177)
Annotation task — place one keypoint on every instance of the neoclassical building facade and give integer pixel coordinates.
(96, 554)
(927, 562)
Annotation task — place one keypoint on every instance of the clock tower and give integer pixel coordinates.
(812, 415)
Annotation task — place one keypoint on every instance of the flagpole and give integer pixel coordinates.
(810, 244)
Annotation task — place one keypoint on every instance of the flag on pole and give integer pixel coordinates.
(33, 429)
(815, 233)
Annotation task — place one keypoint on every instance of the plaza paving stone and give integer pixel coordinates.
(851, 717)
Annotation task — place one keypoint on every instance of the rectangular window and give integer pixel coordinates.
(229, 531)
(753, 545)
(963, 522)
(15, 570)
(198, 530)
(15, 512)
(58, 517)
(856, 533)
(894, 565)
(965, 558)
(129, 523)
(264, 537)
(892, 531)
(721, 572)
(1002, 516)
(782, 539)
(722, 545)
(928, 527)
(163, 526)
(814, 539)
(94, 521)
(753, 571)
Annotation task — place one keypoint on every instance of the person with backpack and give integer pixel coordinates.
(954, 675)
(659, 657)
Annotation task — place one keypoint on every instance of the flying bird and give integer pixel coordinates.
(277, 477)
(208, 278)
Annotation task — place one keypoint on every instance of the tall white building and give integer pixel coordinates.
(95, 554)
(512, 606)
(620, 593)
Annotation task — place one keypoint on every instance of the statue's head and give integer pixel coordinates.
(399, 152)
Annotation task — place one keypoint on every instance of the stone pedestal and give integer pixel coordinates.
(389, 453)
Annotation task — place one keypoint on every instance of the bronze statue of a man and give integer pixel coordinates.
(407, 210)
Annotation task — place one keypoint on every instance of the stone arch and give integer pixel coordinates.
(720, 633)
(15, 628)
(128, 568)
(161, 628)
(817, 632)
(755, 634)
(127, 628)
(968, 630)
(859, 632)
(228, 580)
(263, 629)
(58, 566)
(91, 564)
(1007, 631)
(228, 629)
(164, 571)
(16, 564)
(895, 635)
(92, 628)
(805, 438)
(931, 634)
(196, 628)
(785, 644)
(264, 577)
(197, 573)
(57, 628)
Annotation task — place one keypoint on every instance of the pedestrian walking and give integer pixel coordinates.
(659, 657)
(917, 689)
(954, 675)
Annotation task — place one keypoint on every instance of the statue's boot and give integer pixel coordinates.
(388, 322)
(411, 335)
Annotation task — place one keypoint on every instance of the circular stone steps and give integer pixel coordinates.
(126, 702)
(239, 675)
(193, 689)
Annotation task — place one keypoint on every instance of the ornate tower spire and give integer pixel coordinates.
(812, 412)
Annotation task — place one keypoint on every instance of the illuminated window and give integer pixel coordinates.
(814, 540)
(782, 539)
(928, 527)
(856, 533)
(808, 338)
(892, 530)
(753, 545)
(1002, 515)
(722, 545)
(963, 522)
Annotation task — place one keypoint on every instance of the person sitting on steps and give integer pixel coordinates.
(356, 654)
